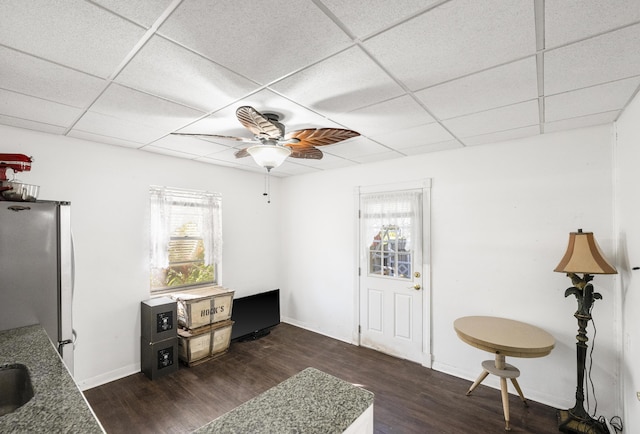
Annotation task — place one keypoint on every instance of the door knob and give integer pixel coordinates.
(417, 287)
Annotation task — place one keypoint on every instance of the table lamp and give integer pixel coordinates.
(585, 257)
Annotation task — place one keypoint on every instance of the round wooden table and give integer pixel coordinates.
(503, 337)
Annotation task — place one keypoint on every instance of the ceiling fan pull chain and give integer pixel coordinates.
(267, 191)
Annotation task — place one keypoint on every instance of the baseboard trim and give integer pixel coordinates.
(107, 377)
(311, 329)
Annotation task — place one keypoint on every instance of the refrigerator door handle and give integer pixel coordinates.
(73, 265)
(18, 208)
(63, 343)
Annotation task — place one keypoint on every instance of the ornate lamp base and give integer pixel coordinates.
(568, 423)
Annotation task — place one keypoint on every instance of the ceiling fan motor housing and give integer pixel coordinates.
(274, 118)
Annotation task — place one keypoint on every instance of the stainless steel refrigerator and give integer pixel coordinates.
(36, 270)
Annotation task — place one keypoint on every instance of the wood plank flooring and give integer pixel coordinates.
(408, 397)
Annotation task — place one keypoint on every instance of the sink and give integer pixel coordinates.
(15, 387)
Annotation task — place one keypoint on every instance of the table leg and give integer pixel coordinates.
(500, 368)
(482, 376)
(500, 364)
(505, 402)
(517, 386)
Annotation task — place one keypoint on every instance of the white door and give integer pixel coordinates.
(392, 280)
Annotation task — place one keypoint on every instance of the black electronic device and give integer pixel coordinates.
(158, 337)
(158, 358)
(159, 319)
(255, 315)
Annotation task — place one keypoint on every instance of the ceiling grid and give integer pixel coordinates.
(412, 77)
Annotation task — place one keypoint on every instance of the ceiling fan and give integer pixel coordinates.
(272, 145)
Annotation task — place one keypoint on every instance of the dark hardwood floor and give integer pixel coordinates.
(408, 397)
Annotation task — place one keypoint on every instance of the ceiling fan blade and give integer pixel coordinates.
(258, 123)
(309, 153)
(319, 137)
(216, 136)
(242, 153)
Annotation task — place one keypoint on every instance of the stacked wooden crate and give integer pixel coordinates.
(204, 316)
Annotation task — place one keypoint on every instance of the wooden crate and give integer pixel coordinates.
(197, 345)
(203, 306)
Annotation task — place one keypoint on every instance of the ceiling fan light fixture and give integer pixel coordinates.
(269, 156)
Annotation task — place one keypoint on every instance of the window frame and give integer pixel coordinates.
(164, 203)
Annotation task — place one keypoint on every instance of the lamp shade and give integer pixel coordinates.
(584, 256)
(269, 156)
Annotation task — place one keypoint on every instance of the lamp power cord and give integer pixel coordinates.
(616, 421)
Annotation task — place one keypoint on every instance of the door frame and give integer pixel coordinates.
(427, 320)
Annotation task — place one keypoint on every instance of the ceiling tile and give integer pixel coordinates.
(500, 119)
(143, 13)
(168, 152)
(591, 100)
(328, 161)
(36, 77)
(355, 148)
(345, 82)
(381, 156)
(189, 145)
(104, 127)
(500, 136)
(260, 40)
(507, 84)
(387, 116)
(292, 115)
(582, 121)
(35, 109)
(433, 147)
(101, 138)
(124, 103)
(31, 125)
(570, 20)
(165, 69)
(605, 58)
(217, 162)
(73, 33)
(291, 167)
(415, 136)
(364, 18)
(428, 49)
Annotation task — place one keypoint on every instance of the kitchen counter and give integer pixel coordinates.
(57, 405)
(309, 402)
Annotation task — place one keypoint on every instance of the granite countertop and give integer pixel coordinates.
(57, 406)
(310, 402)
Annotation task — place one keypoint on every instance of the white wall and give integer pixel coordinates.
(501, 216)
(500, 222)
(108, 190)
(628, 216)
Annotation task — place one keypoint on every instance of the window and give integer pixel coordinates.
(186, 238)
(389, 225)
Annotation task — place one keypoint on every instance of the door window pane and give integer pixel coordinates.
(388, 255)
(388, 222)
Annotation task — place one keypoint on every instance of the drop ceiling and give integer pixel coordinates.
(411, 76)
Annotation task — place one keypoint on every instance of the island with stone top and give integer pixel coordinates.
(310, 402)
